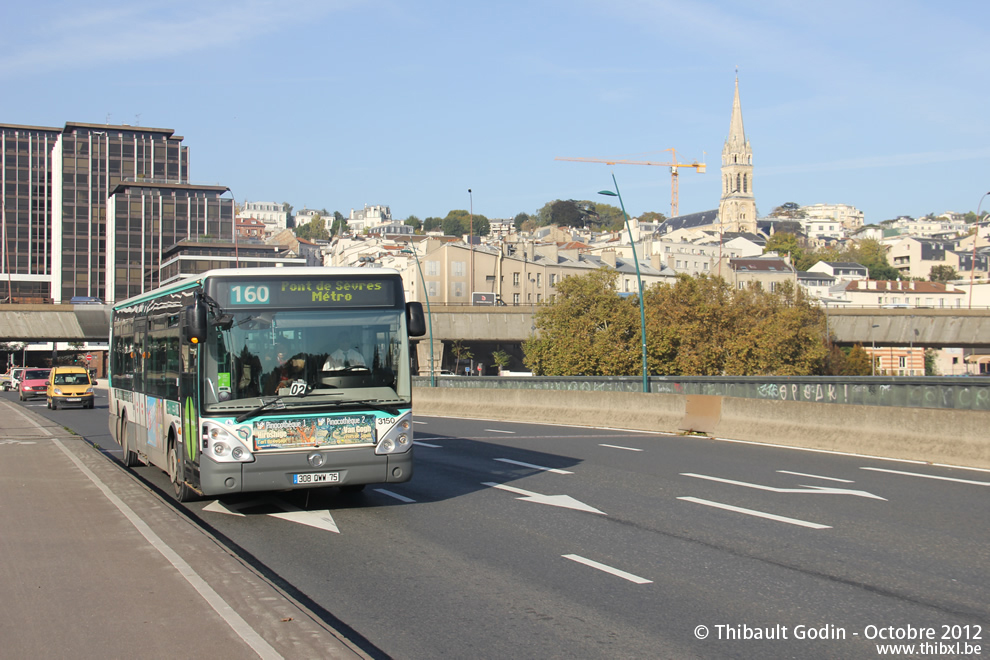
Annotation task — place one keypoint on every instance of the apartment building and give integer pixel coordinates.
(850, 217)
(902, 293)
(519, 274)
(274, 216)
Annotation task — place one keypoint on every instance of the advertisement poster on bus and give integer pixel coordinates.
(314, 432)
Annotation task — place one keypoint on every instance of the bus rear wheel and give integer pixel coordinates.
(176, 475)
(128, 457)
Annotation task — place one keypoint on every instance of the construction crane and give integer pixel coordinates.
(699, 167)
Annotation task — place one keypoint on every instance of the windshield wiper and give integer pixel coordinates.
(377, 404)
(273, 403)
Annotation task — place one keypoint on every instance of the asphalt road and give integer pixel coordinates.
(531, 541)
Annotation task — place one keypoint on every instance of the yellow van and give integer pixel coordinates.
(70, 386)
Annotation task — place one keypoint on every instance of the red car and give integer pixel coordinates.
(34, 384)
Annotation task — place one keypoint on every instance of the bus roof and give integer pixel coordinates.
(270, 271)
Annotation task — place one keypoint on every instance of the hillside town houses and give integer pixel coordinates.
(115, 214)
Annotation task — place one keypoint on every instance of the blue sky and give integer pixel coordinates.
(336, 104)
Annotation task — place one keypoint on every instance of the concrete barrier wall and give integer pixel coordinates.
(955, 437)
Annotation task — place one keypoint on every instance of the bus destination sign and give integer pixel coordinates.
(299, 292)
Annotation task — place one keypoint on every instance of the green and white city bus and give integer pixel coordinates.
(260, 379)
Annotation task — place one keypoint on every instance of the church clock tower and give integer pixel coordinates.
(737, 208)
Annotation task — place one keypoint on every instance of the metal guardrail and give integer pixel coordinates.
(943, 392)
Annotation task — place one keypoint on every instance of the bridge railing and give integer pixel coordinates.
(941, 392)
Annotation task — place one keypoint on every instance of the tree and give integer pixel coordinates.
(339, 225)
(788, 210)
(695, 327)
(857, 363)
(520, 220)
(460, 352)
(315, 229)
(567, 213)
(588, 329)
(501, 359)
(414, 222)
(432, 224)
(782, 243)
(872, 254)
(652, 216)
(942, 273)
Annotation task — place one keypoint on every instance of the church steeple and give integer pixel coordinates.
(737, 208)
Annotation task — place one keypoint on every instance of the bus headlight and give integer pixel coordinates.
(398, 439)
(224, 446)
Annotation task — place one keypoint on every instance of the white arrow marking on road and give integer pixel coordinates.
(822, 490)
(564, 501)
(608, 569)
(320, 519)
(216, 507)
(534, 467)
(754, 512)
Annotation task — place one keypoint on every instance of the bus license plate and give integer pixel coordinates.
(316, 478)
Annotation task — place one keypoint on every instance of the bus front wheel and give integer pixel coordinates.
(176, 475)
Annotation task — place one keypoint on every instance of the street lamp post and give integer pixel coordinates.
(976, 235)
(429, 317)
(639, 280)
(873, 352)
(471, 243)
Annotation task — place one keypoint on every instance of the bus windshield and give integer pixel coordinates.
(306, 358)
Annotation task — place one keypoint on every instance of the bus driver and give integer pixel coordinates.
(346, 356)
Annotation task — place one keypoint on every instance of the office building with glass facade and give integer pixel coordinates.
(89, 209)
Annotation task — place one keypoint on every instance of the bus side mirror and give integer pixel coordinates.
(415, 319)
(194, 323)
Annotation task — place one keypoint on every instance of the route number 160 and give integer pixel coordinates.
(249, 294)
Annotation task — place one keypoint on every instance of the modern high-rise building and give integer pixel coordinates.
(26, 180)
(89, 209)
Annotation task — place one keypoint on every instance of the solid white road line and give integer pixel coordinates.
(401, 498)
(500, 431)
(816, 476)
(608, 569)
(534, 467)
(753, 512)
(425, 444)
(620, 447)
(929, 476)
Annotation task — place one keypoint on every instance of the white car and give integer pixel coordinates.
(13, 379)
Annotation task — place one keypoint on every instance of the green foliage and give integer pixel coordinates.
(697, 327)
(788, 210)
(501, 359)
(856, 363)
(520, 220)
(414, 222)
(942, 273)
(432, 224)
(652, 216)
(588, 329)
(459, 222)
(315, 229)
(782, 243)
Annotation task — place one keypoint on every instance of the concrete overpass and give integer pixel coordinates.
(936, 328)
